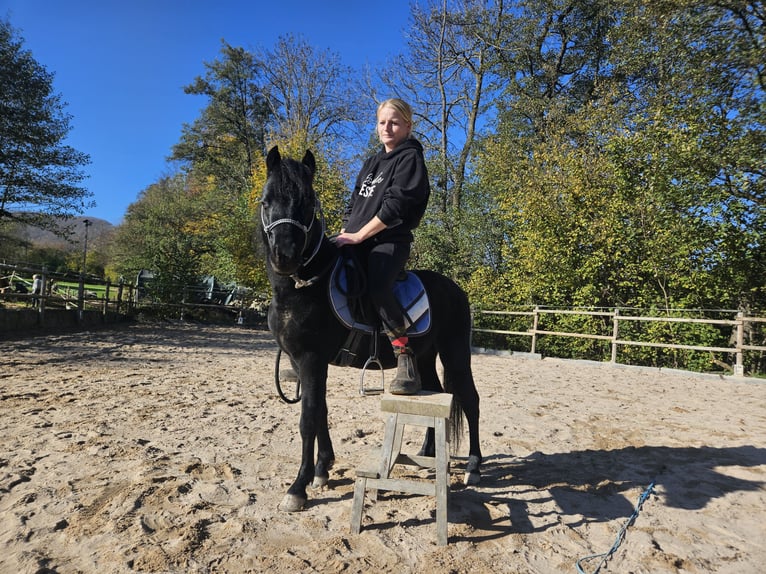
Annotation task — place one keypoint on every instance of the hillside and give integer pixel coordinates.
(43, 238)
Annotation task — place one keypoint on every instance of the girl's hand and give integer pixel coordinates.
(347, 239)
(372, 227)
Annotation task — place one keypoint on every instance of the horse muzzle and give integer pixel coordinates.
(285, 261)
(284, 266)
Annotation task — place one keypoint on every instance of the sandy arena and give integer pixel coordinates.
(164, 448)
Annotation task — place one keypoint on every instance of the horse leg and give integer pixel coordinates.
(469, 404)
(430, 379)
(325, 452)
(465, 391)
(313, 424)
(459, 381)
(296, 497)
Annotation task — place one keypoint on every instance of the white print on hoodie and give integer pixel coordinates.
(369, 184)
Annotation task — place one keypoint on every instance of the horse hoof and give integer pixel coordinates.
(292, 503)
(320, 482)
(472, 478)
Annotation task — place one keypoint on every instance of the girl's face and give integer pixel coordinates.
(393, 129)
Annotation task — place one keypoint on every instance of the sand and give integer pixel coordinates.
(165, 448)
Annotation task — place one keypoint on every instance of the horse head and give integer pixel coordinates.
(290, 212)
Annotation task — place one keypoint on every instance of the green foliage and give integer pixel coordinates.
(39, 174)
(160, 233)
(623, 194)
(224, 143)
(459, 243)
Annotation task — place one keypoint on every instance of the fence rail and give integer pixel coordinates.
(737, 346)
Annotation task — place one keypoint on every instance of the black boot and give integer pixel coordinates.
(407, 379)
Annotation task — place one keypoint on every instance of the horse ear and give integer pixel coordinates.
(310, 162)
(273, 159)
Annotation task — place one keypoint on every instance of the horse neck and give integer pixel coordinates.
(322, 263)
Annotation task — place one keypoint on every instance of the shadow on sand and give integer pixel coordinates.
(589, 486)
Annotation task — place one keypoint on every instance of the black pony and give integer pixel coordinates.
(299, 258)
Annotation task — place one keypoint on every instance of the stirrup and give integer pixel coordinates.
(372, 360)
(376, 390)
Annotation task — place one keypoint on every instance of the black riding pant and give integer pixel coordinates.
(385, 262)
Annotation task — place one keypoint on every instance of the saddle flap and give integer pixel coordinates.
(413, 298)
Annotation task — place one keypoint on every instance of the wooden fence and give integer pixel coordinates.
(58, 300)
(89, 300)
(738, 325)
(108, 300)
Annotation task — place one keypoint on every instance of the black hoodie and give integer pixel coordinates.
(394, 186)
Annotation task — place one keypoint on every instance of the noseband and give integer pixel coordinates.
(317, 215)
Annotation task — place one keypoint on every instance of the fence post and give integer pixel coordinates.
(132, 296)
(106, 297)
(81, 298)
(120, 286)
(739, 366)
(534, 328)
(615, 333)
(43, 296)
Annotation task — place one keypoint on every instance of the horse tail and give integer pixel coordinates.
(456, 424)
(452, 322)
(455, 351)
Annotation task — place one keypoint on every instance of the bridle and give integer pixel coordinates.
(317, 215)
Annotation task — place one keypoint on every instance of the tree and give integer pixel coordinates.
(628, 159)
(159, 234)
(448, 74)
(312, 107)
(39, 173)
(697, 102)
(291, 96)
(307, 93)
(224, 143)
(220, 151)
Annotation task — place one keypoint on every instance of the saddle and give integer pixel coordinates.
(352, 307)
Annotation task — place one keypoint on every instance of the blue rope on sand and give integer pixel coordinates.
(620, 535)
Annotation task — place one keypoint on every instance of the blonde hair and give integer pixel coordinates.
(400, 106)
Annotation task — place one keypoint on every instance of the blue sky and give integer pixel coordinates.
(121, 67)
